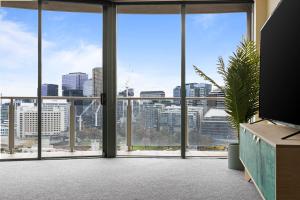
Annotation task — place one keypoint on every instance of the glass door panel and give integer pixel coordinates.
(148, 71)
(72, 82)
(18, 79)
(209, 36)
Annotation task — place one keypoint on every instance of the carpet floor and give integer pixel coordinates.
(124, 179)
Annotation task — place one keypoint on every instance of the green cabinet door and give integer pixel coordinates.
(267, 166)
(248, 153)
(259, 159)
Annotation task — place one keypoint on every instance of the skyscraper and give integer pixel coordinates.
(53, 119)
(72, 85)
(152, 94)
(74, 81)
(121, 104)
(216, 103)
(97, 81)
(129, 92)
(88, 88)
(4, 109)
(49, 90)
(193, 90)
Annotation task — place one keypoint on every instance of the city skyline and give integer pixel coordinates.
(66, 50)
(81, 81)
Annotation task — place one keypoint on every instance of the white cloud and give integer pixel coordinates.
(16, 45)
(204, 21)
(145, 81)
(18, 62)
(18, 59)
(81, 58)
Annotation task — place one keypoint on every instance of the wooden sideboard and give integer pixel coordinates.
(273, 164)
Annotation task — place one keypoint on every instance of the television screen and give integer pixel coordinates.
(280, 64)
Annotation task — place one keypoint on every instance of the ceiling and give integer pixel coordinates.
(136, 6)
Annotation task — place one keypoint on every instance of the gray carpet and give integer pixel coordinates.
(123, 179)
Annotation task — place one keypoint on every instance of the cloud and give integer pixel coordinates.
(205, 21)
(18, 59)
(18, 63)
(81, 58)
(17, 45)
(146, 81)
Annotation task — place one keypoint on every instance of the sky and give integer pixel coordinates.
(148, 48)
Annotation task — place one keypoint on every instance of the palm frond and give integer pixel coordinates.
(207, 78)
(241, 79)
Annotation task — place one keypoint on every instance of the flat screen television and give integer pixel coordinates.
(280, 64)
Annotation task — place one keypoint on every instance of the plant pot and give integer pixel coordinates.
(233, 157)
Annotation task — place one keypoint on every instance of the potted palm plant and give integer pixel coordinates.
(241, 79)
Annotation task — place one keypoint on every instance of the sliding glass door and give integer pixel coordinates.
(18, 80)
(72, 81)
(79, 79)
(209, 36)
(148, 71)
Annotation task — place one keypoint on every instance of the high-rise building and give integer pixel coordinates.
(150, 115)
(51, 105)
(129, 92)
(177, 91)
(72, 85)
(152, 94)
(73, 93)
(193, 90)
(88, 88)
(122, 104)
(49, 90)
(53, 119)
(216, 103)
(4, 108)
(97, 81)
(3, 131)
(170, 117)
(74, 81)
(215, 125)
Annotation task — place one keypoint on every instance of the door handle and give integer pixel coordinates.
(103, 99)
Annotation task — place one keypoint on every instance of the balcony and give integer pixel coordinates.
(72, 126)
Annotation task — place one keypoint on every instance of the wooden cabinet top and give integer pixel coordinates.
(272, 134)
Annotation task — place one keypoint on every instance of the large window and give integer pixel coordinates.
(72, 83)
(155, 49)
(148, 70)
(208, 37)
(18, 81)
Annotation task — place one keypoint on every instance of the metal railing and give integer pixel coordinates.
(72, 115)
(129, 112)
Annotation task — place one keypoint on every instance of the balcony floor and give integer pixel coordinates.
(123, 153)
(124, 179)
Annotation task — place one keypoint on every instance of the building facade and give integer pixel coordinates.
(54, 120)
(97, 81)
(88, 88)
(74, 81)
(49, 90)
(146, 94)
(215, 125)
(193, 90)
(216, 103)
